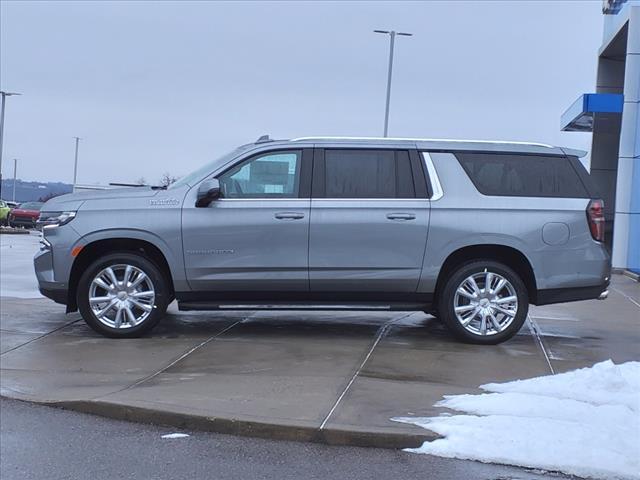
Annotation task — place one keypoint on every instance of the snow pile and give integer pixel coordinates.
(17, 276)
(585, 422)
(175, 435)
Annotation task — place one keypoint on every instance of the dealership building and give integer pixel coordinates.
(612, 114)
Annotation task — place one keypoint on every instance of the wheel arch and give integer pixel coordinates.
(97, 248)
(510, 256)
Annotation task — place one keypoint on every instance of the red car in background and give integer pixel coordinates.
(26, 215)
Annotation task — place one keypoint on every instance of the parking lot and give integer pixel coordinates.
(333, 377)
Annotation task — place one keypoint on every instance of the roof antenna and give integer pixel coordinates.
(264, 139)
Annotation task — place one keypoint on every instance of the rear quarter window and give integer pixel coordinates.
(518, 175)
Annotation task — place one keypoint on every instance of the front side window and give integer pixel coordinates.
(270, 175)
(368, 174)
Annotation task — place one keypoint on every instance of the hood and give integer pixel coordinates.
(72, 201)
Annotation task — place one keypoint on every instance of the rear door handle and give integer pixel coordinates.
(401, 216)
(289, 215)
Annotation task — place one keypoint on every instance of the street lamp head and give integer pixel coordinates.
(392, 32)
(9, 94)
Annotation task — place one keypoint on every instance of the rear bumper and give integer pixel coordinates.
(573, 294)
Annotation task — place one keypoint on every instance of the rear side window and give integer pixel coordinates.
(368, 174)
(514, 175)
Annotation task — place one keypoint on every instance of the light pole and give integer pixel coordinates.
(3, 95)
(392, 37)
(15, 174)
(75, 164)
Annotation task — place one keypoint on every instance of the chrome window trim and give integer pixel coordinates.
(436, 187)
(280, 199)
(362, 199)
(261, 199)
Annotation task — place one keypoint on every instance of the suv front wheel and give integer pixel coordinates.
(484, 302)
(122, 295)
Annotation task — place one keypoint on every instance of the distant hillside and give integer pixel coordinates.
(33, 191)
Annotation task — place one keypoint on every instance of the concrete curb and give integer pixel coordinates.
(245, 428)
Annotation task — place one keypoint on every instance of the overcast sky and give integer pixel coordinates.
(163, 86)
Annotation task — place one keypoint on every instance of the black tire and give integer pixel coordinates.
(447, 295)
(160, 284)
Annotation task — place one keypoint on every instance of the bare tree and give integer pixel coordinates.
(167, 179)
(49, 196)
(141, 181)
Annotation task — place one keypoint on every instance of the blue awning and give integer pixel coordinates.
(579, 116)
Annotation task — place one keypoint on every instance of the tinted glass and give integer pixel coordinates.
(522, 175)
(368, 174)
(273, 175)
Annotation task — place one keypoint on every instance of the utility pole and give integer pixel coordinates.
(3, 95)
(392, 38)
(15, 174)
(75, 165)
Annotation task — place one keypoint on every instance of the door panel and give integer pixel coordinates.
(353, 246)
(259, 245)
(255, 238)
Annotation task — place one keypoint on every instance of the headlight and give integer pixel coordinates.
(55, 219)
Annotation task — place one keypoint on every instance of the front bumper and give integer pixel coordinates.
(48, 286)
(27, 221)
(58, 296)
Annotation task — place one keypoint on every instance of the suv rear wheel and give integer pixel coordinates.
(484, 302)
(122, 295)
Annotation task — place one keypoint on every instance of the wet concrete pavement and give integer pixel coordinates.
(336, 377)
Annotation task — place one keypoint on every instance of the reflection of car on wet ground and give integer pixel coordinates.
(472, 231)
(26, 215)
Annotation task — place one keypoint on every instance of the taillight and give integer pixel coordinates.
(595, 218)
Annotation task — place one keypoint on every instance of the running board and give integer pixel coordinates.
(207, 306)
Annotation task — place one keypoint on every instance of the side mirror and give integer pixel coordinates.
(208, 191)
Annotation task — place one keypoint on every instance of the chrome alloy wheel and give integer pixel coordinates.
(485, 303)
(121, 296)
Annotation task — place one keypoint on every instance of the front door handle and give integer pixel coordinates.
(289, 215)
(401, 216)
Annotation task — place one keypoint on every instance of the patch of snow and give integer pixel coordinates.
(175, 435)
(585, 422)
(17, 275)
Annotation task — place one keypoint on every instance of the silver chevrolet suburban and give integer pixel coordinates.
(471, 232)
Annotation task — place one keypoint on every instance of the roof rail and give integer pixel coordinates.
(424, 140)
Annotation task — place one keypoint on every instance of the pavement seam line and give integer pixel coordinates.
(381, 332)
(41, 336)
(625, 296)
(535, 331)
(181, 357)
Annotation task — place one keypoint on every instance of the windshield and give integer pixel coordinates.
(197, 175)
(31, 206)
